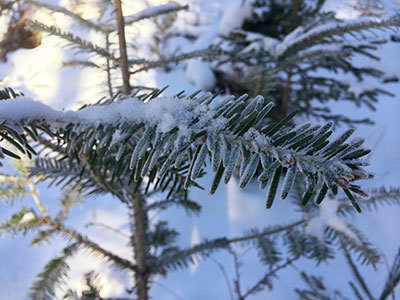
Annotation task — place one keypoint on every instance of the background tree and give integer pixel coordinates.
(158, 152)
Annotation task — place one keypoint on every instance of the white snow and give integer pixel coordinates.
(327, 217)
(28, 217)
(195, 240)
(165, 112)
(200, 74)
(148, 12)
(236, 209)
(234, 16)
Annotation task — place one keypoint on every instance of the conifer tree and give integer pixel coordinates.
(136, 143)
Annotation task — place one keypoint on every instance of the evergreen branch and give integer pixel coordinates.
(80, 63)
(147, 141)
(84, 241)
(314, 35)
(148, 64)
(179, 258)
(63, 10)
(22, 221)
(154, 11)
(357, 275)
(54, 274)
(190, 206)
(317, 289)
(357, 243)
(94, 173)
(12, 188)
(267, 232)
(7, 179)
(377, 197)
(146, 13)
(105, 226)
(76, 41)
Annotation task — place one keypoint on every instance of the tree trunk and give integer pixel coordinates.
(141, 276)
(126, 87)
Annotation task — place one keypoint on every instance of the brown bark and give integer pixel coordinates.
(141, 274)
(126, 87)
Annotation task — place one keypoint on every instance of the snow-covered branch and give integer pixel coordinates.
(161, 134)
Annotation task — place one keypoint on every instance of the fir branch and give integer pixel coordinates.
(21, 222)
(377, 197)
(85, 242)
(154, 11)
(76, 41)
(312, 37)
(267, 232)
(12, 188)
(179, 258)
(319, 161)
(63, 10)
(163, 62)
(101, 181)
(108, 227)
(189, 206)
(53, 275)
(80, 63)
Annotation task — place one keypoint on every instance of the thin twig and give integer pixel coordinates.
(63, 10)
(121, 233)
(264, 280)
(36, 198)
(266, 233)
(226, 277)
(154, 11)
(169, 291)
(86, 242)
(237, 274)
(285, 95)
(74, 235)
(108, 67)
(358, 275)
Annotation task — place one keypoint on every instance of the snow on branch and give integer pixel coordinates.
(146, 13)
(151, 64)
(76, 41)
(301, 38)
(63, 10)
(164, 133)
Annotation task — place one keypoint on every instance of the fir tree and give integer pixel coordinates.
(148, 144)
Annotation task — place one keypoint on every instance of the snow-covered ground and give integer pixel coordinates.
(230, 211)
